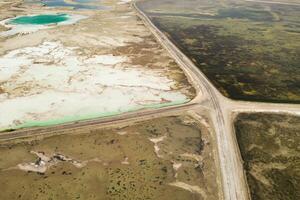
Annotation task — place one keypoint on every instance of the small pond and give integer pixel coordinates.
(31, 23)
(40, 19)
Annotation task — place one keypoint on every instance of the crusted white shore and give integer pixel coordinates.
(51, 81)
(106, 64)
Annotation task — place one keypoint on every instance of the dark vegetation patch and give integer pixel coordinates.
(248, 51)
(246, 13)
(269, 145)
(237, 66)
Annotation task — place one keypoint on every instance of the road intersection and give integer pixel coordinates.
(222, 110)
(209, 100)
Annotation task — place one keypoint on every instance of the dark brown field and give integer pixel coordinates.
(269, 145)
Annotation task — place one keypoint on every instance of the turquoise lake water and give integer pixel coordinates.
(40, 19)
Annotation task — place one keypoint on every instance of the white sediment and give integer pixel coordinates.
(176, 167)
(125, 161)
(44, 162)
(40, 166)
(156, 147)
(32, 167)
(124, 1)
(51, 81)
(191, 188)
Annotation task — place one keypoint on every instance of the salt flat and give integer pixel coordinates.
(105, 63)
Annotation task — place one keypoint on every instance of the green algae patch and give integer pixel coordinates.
(40, 19)
(68, 119)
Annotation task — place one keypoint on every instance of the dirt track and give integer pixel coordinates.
(221, 108)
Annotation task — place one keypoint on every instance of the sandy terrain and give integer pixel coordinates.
(106, 63)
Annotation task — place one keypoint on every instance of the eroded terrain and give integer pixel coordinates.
(269, 145)
(169, 157)
(104, 64)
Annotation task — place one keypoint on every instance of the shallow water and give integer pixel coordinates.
(40, 19)
(80, 4)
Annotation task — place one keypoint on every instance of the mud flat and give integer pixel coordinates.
(169, 157)
(269, 145)
(104, 64)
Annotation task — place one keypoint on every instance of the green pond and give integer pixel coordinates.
(40, 19)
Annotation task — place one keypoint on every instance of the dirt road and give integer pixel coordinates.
(209, 100)
(221, 109)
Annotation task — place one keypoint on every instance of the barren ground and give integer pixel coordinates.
(70, 72)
